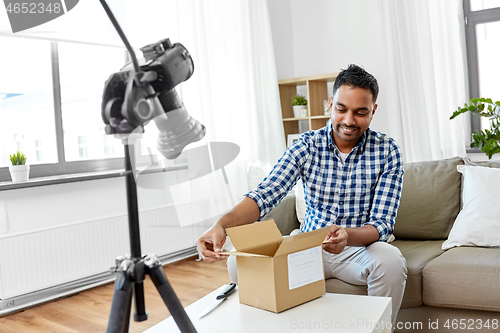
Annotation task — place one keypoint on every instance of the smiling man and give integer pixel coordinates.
(352, 180)
(354, 110)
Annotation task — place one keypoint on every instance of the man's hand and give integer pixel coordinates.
(336, 240)
(209, 245)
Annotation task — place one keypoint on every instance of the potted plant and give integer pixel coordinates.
(19, 171)
(299, 104)
(487, 140)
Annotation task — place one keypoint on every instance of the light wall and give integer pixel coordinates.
(313, 37)
(42, 207)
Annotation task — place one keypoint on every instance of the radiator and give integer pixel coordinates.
(41, 259)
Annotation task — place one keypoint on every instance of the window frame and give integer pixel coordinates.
(472, 19)
(63, 167)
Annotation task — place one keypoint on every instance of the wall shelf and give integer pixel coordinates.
(317, 92)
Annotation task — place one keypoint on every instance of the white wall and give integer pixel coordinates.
(313, 37)
(52, 205)
(280, 15)
(42, 207)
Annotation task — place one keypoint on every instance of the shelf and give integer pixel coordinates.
(307, 118)
(305, 79)
(317, 92)
(296, 119)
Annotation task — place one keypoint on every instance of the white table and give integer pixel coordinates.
(329, 313)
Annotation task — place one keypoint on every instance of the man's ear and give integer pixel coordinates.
(374, 109)
(330, 102)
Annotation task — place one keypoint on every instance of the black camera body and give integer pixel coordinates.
(131, 99)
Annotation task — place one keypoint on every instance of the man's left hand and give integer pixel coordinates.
(336, 240)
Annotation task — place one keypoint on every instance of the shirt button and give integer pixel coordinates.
(341, 203)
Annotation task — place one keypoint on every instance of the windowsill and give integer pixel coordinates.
(473, 151)
(77, 177)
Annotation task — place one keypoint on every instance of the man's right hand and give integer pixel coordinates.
(209, 245)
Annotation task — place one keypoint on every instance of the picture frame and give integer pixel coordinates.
(292, 138)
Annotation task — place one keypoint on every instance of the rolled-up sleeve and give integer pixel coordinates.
(387, 195)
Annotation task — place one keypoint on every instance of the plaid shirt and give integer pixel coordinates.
(366, 190)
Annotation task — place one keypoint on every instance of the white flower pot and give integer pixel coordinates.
(300, 111)
(19, 173)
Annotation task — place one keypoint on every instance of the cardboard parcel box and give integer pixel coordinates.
(276, 273)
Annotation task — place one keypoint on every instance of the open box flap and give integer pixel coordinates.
(244, 254)
(254, 235)
(302, 241)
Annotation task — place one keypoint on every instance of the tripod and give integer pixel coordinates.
(132, 271)
(131, 99)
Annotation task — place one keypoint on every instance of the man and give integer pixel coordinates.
(352, 179)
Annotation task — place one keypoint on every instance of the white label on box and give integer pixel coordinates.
(305, 267)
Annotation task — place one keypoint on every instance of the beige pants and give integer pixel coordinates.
(380, 266)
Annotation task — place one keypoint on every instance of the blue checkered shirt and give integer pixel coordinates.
(366, 190)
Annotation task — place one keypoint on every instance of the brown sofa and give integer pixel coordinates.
(457, 290)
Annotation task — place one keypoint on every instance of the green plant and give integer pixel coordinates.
(299, 100)
(18, 158)
(487, 140)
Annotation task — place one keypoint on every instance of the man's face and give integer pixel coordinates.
(352, 113)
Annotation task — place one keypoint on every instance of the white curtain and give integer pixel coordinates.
(234, 93)
(234, 88)
(425, 45)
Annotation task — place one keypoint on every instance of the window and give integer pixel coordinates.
(50, 106)
(109, 145)
(26, 101)
(476, 5)
(83, 69)
(82, 147)
(39, 150)
(482, 35)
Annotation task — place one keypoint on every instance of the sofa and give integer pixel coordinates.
(448, 290)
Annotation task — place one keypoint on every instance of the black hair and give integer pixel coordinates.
(356, 77)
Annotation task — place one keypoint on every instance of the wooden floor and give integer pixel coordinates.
(88, 311)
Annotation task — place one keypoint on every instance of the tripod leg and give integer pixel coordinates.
(140, 313)
(168, 295)
(119, 317)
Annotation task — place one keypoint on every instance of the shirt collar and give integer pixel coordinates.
(331, 143)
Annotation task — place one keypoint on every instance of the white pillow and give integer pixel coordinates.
(300, 201)
(478, 223)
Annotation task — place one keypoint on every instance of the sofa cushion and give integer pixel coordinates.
(467, 161)
(284, 215)
(430, 200)
(478, 223)
(417, 255)
(300, 201)
(489, 164)
(337, 286)
(464, 277)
